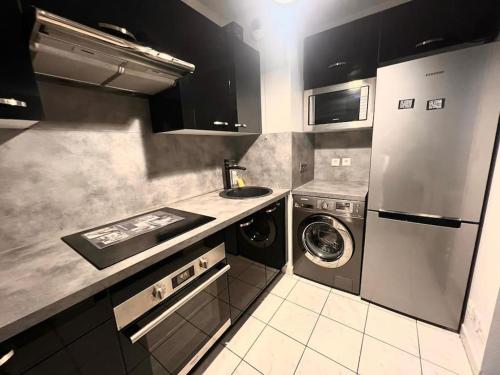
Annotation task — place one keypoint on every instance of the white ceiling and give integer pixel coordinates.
(306, 16)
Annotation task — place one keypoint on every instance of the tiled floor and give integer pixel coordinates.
(300, 327)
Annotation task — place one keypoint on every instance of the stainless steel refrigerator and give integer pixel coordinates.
(433, 138)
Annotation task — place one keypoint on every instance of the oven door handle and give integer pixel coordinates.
(160, 318)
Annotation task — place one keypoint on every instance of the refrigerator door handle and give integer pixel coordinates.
(421, 218)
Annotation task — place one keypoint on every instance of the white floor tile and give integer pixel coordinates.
(313, 283)
(282, 285)
(378, 358)
(220, 361)
(392, 328)
(346, 310)
(245, 369)
(444, 348)
(336, 341)
(274, 353)
(241, 337)
(265, 306)
(296, 321)
(432, 369)
(308, 296)
(317, 364)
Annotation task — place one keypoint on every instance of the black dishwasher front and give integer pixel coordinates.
(169, 315)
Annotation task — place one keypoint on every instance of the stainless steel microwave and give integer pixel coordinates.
(346, 106)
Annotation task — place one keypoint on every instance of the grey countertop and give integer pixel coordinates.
(41, 280)
(329, 189)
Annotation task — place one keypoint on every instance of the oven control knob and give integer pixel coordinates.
(324, 206)
(158, 292)
(203, 262)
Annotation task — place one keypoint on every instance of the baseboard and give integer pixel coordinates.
(465, 336)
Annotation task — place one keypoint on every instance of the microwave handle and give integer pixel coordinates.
(160, 318)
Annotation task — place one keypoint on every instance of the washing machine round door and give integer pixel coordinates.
(326, 241)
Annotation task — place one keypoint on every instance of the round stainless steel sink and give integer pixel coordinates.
(246, 192)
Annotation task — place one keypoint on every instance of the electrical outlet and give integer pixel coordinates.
(346, 162)
(335, 162)
(302, 167)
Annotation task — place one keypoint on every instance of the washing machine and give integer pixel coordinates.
(328, 241)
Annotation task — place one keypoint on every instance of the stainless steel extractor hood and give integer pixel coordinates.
(65, 49)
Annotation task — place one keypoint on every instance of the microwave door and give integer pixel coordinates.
(336, 106)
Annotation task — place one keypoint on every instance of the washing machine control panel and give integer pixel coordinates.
(341, 207)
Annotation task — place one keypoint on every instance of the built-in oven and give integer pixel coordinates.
(169, 315)
(346, 106)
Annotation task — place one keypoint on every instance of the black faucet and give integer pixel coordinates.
(226, 175)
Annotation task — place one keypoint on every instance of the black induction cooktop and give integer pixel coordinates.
(111, 243)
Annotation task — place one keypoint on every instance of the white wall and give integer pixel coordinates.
(486, 280)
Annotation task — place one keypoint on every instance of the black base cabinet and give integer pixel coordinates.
(256, 252)
(20, 104)
(80, 340)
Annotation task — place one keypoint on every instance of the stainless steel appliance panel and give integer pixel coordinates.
(435, 161)
(418, 269)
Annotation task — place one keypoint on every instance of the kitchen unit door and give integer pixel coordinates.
(418, 269)
(342, 54)
(434, 130)
(244, 86)
(80, 340)
(423, 26)
(20, 104)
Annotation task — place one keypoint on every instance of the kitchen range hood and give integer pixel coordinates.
(68, 50)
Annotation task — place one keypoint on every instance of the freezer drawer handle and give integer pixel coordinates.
(428, 41)
(160, 318)
(421, 219)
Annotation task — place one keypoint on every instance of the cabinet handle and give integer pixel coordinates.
(5, 358)
(428, 41)
(271, 210)
(240, 125)
(13, 102)
(120, 30)
(221, 123)
(249, 222)
(337, 64)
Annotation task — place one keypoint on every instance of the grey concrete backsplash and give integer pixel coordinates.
(302, 152)
(95, 160)
(353, 144)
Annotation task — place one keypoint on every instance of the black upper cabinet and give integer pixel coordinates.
(422, 26)
(342, 54)
(244, 86)
(20, 104)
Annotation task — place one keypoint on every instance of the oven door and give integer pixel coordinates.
(171, 338)
(340, 107)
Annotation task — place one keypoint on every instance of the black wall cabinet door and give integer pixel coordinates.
(244, 86)
(422, 26)
(19, 97)
(342, 54)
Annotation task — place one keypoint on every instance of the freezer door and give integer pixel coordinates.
(427, 160)
(418, 269)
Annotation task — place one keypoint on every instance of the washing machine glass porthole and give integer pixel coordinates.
(327, 242)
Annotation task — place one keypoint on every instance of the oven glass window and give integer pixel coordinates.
(324, 241)
(336, 106)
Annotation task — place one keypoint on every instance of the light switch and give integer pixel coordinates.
(335, 162)
(346, 162)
